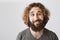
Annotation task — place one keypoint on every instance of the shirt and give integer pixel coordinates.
(47, 35)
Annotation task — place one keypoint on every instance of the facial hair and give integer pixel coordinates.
(39, 27)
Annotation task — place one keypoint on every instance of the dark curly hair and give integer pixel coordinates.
(41, 6)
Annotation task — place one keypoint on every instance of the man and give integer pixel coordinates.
(36, 17)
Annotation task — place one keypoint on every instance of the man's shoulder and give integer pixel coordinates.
(51, 34)
(23, 32)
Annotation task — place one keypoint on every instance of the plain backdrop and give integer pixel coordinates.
(11, 12)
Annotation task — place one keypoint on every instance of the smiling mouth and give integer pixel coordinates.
(36, 23)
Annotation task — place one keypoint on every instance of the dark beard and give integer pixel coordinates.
(39, 27)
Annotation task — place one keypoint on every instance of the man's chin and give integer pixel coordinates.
(36, 30)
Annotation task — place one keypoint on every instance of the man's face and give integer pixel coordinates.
(36, 18)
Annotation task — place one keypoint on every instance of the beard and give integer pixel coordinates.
(37, 27)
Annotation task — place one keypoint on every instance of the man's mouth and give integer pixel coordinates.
(37, 22)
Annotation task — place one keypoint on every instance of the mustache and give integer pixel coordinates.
(37, 20)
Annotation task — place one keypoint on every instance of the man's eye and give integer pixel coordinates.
(32, 14)
(39, 14)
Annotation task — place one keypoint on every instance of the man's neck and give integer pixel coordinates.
(37, 34)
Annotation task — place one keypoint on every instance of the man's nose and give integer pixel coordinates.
(36, 17)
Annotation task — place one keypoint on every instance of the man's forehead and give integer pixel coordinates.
(35, 9)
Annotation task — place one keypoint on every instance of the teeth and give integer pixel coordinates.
(36, 22)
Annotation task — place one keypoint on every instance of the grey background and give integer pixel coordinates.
(11, 12)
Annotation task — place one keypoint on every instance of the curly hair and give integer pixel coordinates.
(41, 6)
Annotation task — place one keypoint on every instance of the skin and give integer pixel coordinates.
(35, 14)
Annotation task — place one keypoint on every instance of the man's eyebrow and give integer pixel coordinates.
(39, 11)
(32, 12)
